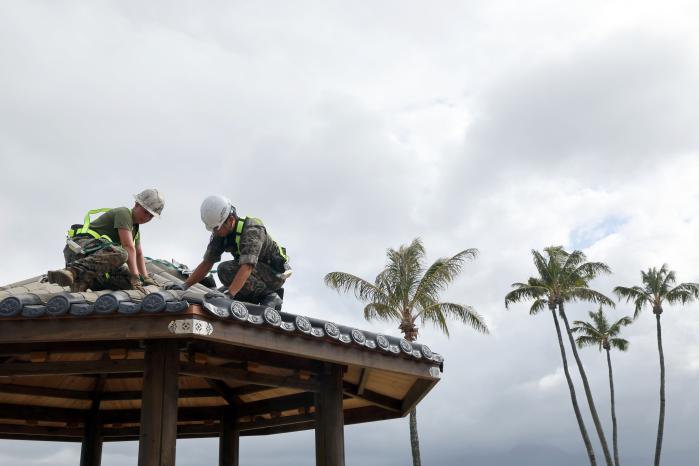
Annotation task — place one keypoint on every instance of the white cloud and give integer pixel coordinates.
(349, 129)
(551, 381)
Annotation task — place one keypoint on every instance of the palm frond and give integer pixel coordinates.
(587, 329)
(619, 343)
(638, 295)
(402, 272)
(381, 311)
(544, 266)
(524, 291)
(440, 311)
(537, 306)
(435, 316)
(362, 289)
(439, 275)
(683, 293)
(583, 341)
(583, 293)
(665, 277)
(591, 270)
(615, 328)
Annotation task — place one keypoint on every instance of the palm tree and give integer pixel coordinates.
(406, 291)
(658, 288)
(599, 333)
(564, 277)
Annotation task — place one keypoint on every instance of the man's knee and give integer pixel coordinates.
(120, 254)
(226, 271)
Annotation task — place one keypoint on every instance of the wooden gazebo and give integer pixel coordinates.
(119, 365)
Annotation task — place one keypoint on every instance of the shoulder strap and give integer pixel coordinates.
(85, 228)
(239, 226)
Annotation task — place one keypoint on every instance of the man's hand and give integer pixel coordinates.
(219, 294)
(148, 281)
(175, 287)
(135, 281)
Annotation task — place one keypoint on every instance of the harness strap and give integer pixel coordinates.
(86, 230)
(240, 223)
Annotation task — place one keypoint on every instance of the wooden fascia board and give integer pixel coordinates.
(116, 328)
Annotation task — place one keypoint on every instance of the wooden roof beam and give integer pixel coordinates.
(284, 403)
(224, 391)
(46, 391)
(242, 376)
(266, 358)
(416, 393)
(103, 366)
(374, 398)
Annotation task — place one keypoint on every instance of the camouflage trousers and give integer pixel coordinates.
(262, 281)
(103, 269)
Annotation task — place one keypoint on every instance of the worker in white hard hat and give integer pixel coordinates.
(106, 253)
(259, 267)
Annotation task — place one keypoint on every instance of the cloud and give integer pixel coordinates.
(551, 381)
(351, 129)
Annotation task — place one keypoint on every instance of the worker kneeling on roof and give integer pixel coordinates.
(106, 253)
(259, 266)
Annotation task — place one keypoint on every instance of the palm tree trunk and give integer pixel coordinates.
(414, 440)
(410, 333)
(661, 417)
(611, 391)
(573, 398)
(588, 392)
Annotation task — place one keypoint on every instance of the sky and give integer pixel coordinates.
(353, 127)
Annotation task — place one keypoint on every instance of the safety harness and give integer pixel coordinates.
(84, 230)
(240, 224)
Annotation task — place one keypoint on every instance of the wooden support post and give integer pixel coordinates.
(229, 438)
(158, 433)
(330, 435)
(91, 450)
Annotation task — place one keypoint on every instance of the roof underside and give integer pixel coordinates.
(66, 355)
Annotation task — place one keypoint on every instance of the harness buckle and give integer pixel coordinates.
(73, 246)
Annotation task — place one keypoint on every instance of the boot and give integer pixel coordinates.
(79, 286)
(83, 282)
(272, 300)
(63, 277)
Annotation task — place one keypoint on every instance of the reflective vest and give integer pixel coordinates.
(240, 223)
(77, 230)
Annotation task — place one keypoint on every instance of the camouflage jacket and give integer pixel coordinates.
(255, 246)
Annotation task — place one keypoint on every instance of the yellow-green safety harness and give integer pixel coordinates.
(239, 231)
(85, 230)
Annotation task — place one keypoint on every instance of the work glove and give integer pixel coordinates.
(147, 281)
(135, 281)
(218, 294)
(175, 287)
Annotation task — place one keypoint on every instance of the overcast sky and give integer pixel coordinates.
(351, 127)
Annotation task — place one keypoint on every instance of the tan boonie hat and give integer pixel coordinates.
(151, 200)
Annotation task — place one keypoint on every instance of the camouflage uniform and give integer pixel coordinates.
(256, 248)
(262, 281)
(105, 268)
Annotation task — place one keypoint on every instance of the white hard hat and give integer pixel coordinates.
(215, 210)
(151, 200)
